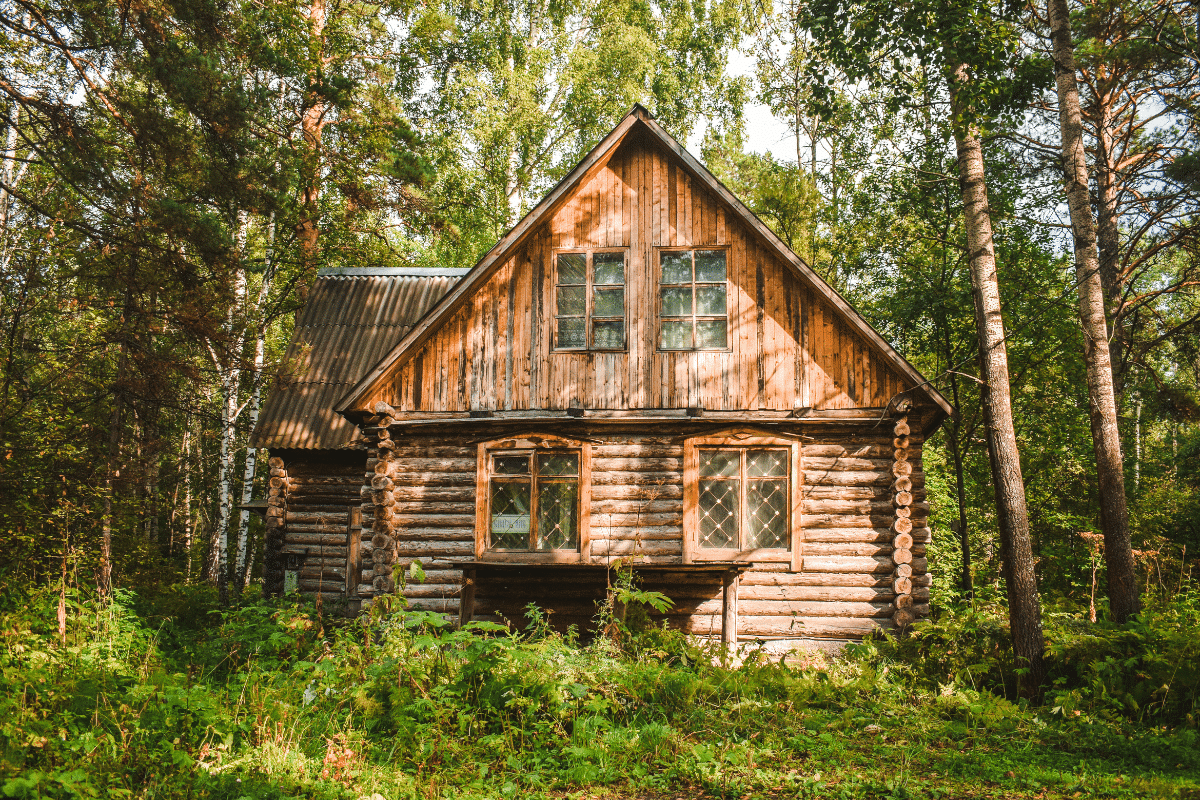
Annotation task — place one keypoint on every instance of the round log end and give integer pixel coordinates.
(275, 461)
(902, 428)
(903, 618)
(902, 556)
(382, 584)
(903, 499)
(904, 601)
(903, 512)
(902, 525)
(903, 541)
(900, 442)
(902, 485)
(902, 586)
(904, 570)
(901, 469)
(381, 541)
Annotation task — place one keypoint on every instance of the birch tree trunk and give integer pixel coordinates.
(244, 561)
(1024, 606)
(229, 369)
(1106, 437)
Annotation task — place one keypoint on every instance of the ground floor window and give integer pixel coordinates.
(742, 498)
(531, 499)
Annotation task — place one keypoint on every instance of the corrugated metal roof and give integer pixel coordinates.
(352, 318)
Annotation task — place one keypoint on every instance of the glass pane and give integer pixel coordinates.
(608, 268)
(766, 463)
(558, 463)
(766, 505)
(676, 302)
(557, 521)
(676, 334)
(510, 514)
(710, 265)
(677, 267)
(719, 513)
(608, 335)
(510, 465)
(608, 302)
(710, 333)
(572, 332)
(714, 463)
(571, 300)
(572, 268)
(710, 301)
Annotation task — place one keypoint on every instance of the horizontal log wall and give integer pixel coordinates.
(322, 489)
(845, 589)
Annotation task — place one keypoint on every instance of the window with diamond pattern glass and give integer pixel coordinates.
(589, 304)
(535, 501)
(743, 498)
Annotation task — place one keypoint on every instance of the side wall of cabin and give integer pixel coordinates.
(422, 506)
(314, 514)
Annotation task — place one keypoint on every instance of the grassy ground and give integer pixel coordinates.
(272, 700)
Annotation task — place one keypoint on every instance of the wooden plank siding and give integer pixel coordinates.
(843, 589)
(788, 346)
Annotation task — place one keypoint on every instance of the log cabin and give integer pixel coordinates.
(639, 372)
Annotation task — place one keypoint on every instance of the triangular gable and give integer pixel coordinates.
(637, 118)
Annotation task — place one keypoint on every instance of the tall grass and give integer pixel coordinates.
(269, 699)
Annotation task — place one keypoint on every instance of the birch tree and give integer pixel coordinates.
(1102, 405)
(970, 47)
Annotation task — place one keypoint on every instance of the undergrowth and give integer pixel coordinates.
(270, 700)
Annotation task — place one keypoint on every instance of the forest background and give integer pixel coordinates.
(174, 174)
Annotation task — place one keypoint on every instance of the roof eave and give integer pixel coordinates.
(516, 235)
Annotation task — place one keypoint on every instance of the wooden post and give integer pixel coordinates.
(466, 597)
(729, 617)
(353, 562)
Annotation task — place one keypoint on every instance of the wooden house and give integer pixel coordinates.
(639, 370)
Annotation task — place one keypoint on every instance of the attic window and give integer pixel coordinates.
(589, 298)
(693, 302)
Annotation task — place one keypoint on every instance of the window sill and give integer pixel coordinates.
(532, 557)
(760, 555)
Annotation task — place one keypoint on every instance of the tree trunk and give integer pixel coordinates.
(312, 121)
(244, 560)
(1024, 607)
(1102, 406)
(231, 377)
(113, 467)
(1109, 244)
(187, 501)
(112, 472)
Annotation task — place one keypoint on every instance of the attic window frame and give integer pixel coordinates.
(743, 439)
(527, 445)
(589, 288)
(662, 250)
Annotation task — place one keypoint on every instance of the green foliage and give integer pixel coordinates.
(402, 703)
(1145, 671)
